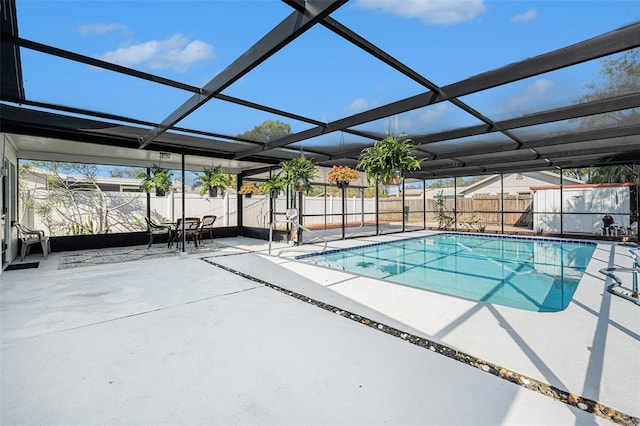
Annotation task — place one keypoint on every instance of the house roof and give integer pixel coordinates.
(493, 178)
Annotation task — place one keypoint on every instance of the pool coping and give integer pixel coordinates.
(496, 236)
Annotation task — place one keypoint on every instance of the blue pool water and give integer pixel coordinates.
(533, 274)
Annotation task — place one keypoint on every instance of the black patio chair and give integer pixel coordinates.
(191, 230)
(154, 230)
(206, 226)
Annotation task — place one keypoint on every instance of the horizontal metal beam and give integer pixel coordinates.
(607, 44)
(383, 56)
(286, 31)
(65, 54)
(566, 113)
(585, 136)
(613, 42)
(344, 123)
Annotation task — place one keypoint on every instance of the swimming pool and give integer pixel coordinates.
(532, 274)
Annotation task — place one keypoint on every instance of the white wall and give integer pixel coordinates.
(9, 170)
(595, 201)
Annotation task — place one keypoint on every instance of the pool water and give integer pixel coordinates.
(532, 274)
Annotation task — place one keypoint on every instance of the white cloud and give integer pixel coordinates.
(527, 16)
(441, 12)
(535, 91)
(100, 28)
(423, 117)
(175, 53)
(359, 105)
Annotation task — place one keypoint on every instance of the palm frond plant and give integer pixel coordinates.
(158, 178)
(389, 159)
(213, 179)
(299, 171)
(274, 185)
(342, 175)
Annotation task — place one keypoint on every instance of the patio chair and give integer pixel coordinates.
(191, 230)
(155, 230)
(28, 237)
(206, 225)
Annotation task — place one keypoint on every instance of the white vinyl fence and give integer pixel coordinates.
(125, 211)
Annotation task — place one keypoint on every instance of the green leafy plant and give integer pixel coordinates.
(213, 179)
(274, 185)
(388, 159)
(299, 171)
(444, 218)
(342, 175)
(158, 178)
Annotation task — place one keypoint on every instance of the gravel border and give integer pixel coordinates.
(530, 383)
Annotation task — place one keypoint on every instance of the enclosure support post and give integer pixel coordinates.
(424, 204)
(404, 219)
(561, 213)
(377, 212)
(502, 203)
(184, 237)
(455, 204)
(239, 203)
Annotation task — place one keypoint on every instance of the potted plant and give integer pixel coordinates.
(274, 185)
(158, 178)
(342, 176)
(248, 189)
(388, 159)
(213, 179)
(299, 171)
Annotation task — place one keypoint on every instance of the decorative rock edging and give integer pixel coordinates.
(582, 403)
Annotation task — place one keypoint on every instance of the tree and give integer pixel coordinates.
(268, 131)
(615, 174)
(618, 76)
(68, 198)
(125, 172)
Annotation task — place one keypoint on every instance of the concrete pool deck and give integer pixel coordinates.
(192, 341)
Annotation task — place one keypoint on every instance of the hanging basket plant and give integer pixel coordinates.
(213, 180)
(248, 189)
(299, 171)
(274, 185)
(388, 159)
(158, 178)
(342, 176)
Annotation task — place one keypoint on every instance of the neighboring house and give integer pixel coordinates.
(35, 180)
(512, 184)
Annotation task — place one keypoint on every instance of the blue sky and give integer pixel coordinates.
(319, 75)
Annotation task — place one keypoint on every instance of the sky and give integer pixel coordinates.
(320, 75)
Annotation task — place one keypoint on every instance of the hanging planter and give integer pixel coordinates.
(248, 189)
(388, 159)
(213, 180)
(274, 185)
(394, 179)
(342, 176)
(299, 172)
(158, 178)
